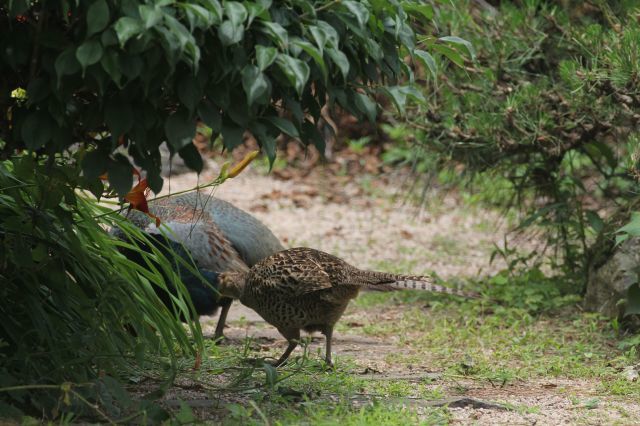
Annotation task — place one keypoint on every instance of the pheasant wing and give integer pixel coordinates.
(298, 282)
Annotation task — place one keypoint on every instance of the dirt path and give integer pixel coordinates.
(371, 230)
(364, 226)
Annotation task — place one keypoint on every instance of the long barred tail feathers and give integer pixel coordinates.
(386, 282)
(421, 283)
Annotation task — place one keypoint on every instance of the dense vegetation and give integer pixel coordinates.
(538, 113)
(82, 83)
(549, 114)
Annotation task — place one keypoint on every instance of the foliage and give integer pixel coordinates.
(548, 113)
(530, 290)
(129, 74)
(74, 310)
(88, 86)
(631, 230)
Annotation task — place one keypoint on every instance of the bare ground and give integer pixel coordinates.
(371, 228)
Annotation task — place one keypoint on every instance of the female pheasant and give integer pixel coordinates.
(219, 236)
(306, 289)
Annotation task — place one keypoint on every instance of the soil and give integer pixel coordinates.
(366, 227)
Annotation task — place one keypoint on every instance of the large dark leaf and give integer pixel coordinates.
(37, 129)
(97, 17)
(120, 174)
(254, 83)
(180, 129)
(296, 71)
(89, 53)
(118, 116)
(191, 157)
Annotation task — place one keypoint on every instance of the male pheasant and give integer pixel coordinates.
(204, 294)
(306, 289)
(219, 236)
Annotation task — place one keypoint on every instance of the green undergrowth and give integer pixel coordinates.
(306, 391)
(340, 413)
(469, 344)
(501, 343)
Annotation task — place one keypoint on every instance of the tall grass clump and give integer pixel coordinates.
(74, 311)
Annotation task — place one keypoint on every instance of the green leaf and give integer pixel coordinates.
(400, 94)
(366, 105)
(198, 16)
(120, 175)
(36, 130)
(374, 50)
(271, 375)
(150, 15)
(594, 220)
(254, 83)
(232, 136)
(89, 53)
(297, 71)
(111, 65)
(94, 164)
(405, 34)
(341, 60)
(180, 129)
(189, 91)
(192, 157)
(312, 51)
(214, 7)
(310, 134)
(269, 144)
(97, 17)
(633, 300)
(127, 27)
(236, 12)
(359, 10)
(452, 54)
(265, 56)
(320, 36)
(326, 33)
(633, 227)
(154, 179)
(210, 115)
(130, 65)
(277, 32)
(66, 63)
(265, 139)
(118, 117)
(109, 37)
(229, 34)
(426, 10)
(428, 61)
(258, 9)
(461, 42)
(285, 126)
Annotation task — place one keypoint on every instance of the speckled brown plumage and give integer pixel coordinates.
(306, 289)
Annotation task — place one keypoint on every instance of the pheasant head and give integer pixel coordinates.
(232, 284)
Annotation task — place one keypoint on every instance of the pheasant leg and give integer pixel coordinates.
(328, 332)
(226, 304)
(293, 337)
